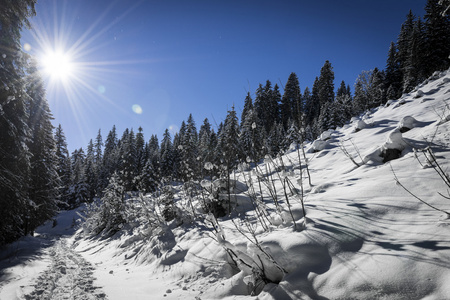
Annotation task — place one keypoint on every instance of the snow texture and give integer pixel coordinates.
(363, 236)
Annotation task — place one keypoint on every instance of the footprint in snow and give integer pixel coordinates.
(69, 276)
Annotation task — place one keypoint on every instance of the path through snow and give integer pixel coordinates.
(69, 276)
(46, 266)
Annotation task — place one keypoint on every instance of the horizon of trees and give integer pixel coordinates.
(38, 175)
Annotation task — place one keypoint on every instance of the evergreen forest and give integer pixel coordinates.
(39, 177)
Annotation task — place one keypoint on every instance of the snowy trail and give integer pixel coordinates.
(69, 276)
(46, 266)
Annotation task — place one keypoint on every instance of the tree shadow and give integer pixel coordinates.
(26, 249)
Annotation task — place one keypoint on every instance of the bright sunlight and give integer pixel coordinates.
(57, 64)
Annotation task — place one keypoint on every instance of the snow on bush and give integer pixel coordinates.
(419, 94)
(221, 195)
(359, 125)
(326, 135)
(317, 145)
(407, 123)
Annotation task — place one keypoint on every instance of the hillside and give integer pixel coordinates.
(364, 235)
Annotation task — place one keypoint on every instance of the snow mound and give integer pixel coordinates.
(317, 145)
(359, 125)
(407, 123)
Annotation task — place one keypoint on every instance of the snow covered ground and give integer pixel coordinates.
(46, 266)
(365, 236)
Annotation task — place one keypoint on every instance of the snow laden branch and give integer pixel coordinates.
(431, 158)
(259, 266)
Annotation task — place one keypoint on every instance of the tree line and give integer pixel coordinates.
(38, 176)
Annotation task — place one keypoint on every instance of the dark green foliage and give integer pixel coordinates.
(250, 138)
(44, 181)
(110, 161)
(90, 172)
(376, 90)
(167, 204)
(326, 84)
(128, 159)
(167, 159)
(414, 70)
(188, 151)
(274, 142)
(63, 164)
(141, 154)
(393, 78)
(404, 41)
(291, 105)
(437, 31)
(228, 146)
(248, 106)
(361, 97)
(207, 145)
(112, 207)
(78, 191)
(19, 215)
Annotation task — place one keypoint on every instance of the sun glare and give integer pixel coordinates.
(57, 64)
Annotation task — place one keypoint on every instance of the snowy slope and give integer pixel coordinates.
(365, 236)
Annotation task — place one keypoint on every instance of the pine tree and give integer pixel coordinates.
(315, 100)
(110, 162)
(262, 105)
(14, 133)
(325, 120)
(128, 159)
(361, 97)
(376, 90)
(167, 160)
(250, 138)
(90, 172)
(228, 147)
(189, 151)
(393, 78)
(273, 108)
(112, 213)
(344, 108)
(154, 156)
(248, 105)
(291, 106)
(64, 169)
(342, 89)
(274, 142)
(291, 136)
(437, 29)
(326, 84)
(404, 42)
(98, 162)
(415, 62)
(147, 180)
(206, 151)
(44, 179)
(308, 106)
(78, 192)
(141, 156)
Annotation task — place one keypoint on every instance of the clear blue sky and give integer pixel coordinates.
(173, 58)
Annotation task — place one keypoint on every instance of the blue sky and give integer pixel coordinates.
(152, 63)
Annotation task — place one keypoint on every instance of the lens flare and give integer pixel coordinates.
(26, 47)
(101, 89)
(137, 109)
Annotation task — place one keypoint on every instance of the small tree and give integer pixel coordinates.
(112, 208)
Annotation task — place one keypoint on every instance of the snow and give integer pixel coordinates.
(359, 125)
(363, 236)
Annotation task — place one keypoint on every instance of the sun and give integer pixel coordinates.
(57, 64)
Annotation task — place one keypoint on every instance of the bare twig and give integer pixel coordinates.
(415, 196)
